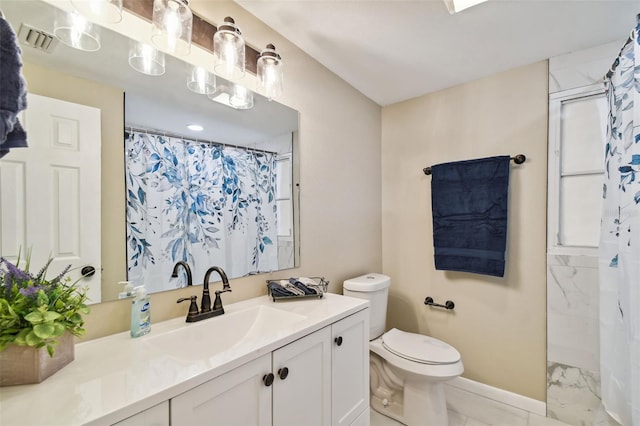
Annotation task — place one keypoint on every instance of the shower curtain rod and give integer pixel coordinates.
(615, 63)
(518, 159)
(175, 135)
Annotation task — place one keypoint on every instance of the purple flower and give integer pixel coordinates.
(30, 291)
(13, 273)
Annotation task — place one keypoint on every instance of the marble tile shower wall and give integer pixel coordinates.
(573, 348)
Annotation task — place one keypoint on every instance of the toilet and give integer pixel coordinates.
(407, 370)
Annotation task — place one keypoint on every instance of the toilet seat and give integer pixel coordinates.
(419, 348)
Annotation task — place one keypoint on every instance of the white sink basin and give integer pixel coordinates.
(252, 326)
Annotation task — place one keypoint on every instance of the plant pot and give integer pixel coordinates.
(21, 365)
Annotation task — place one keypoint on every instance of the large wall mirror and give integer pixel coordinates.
(223, 195)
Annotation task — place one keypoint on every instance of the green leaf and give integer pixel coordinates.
(44, 331)
(21, 337)
(32, 339)
(50, 316)
(34, 317)
(50, 350)
(59, 329)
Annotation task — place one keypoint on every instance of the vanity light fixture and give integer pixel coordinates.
(102, 11)
(146, 59)
(200, 80)
(171, 26)
(241, 97)
(75, 31)
(270, 72)
(233, 95)
(228, 50)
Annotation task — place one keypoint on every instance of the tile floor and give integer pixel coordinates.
(457, 419)
(470, 409)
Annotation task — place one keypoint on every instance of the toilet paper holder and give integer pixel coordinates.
(447, 305)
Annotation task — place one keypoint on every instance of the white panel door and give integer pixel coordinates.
(302, 387)
(50, 191)
(237, 398)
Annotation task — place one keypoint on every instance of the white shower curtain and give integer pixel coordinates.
(620, 241)
(202, 203)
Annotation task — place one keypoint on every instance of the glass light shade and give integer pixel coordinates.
(103, 11)
(270, 72)
(233, 95)
(240, 97)
(228, 51)
(171, 26)
(201, 81)
(146, 59)
(75, 31)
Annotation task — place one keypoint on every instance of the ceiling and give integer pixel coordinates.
(393, 50)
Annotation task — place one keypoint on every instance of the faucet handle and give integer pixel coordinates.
(217, 303)
(193, 307)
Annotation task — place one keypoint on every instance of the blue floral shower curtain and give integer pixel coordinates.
(203, 203)
(620, 241)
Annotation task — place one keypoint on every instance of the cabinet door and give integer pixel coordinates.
(350, 368)
(302, 392)
(238, 397)
(157, 415)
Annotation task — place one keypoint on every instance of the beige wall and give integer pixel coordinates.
(340, 178)
(499, 323)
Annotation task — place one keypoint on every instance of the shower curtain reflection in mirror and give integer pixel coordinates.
(203, 203)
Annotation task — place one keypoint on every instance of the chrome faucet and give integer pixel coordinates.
(187, 269)
(205, 307)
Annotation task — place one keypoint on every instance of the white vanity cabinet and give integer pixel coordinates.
(321, 379)
(295, 363)
(350, 368)
(302, 386)
(155, 416)
(237, 398)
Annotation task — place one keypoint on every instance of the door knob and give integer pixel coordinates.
(283, 373)
(88, 271)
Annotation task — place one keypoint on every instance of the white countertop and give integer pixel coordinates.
(115, 377)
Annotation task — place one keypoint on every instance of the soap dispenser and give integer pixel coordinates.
(140, 312)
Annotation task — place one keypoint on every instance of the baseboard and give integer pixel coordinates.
(500, 395)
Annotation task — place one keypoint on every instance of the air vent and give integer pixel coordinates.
(38, 39)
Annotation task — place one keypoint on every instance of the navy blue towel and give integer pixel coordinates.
(469, 202)
(13, 89)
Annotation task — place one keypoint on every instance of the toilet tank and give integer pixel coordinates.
(374, 288)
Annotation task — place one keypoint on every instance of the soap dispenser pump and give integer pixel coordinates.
(140, 312)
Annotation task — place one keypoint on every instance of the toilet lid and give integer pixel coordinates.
(419, 348)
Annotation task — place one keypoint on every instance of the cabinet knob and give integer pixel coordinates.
(283, 373)
(267, 379)
(338, 340)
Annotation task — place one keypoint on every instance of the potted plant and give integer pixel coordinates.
(38, 319)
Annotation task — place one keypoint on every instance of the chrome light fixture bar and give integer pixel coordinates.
(171, 26)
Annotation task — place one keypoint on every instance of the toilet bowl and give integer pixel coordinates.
(407, 370)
